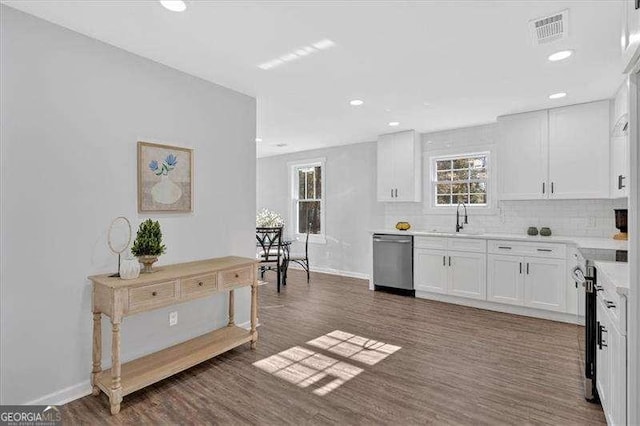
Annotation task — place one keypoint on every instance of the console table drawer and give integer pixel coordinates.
(198, 284)
(235, 278)
(149, 296)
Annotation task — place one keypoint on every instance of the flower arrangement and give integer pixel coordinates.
(168, 164)
(269, 219)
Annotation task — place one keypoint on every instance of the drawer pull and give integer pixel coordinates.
(598, 287)
(237, 276)
(504, 247)
(546, 250)
(154, 293)
(200, 284)
(609, 304)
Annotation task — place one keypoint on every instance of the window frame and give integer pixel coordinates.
(294, 199)
(450, 154)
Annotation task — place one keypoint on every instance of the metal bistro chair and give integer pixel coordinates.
(302, 259)
(271, 253)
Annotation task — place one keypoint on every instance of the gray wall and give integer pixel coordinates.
(350, 203)
(72, 110)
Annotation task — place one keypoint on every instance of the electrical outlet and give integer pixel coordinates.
(173, 318)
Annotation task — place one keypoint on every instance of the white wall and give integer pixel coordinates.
(72, 111)
(350, 203)
(351, 177)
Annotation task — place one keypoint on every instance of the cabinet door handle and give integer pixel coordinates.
(552, 187)
(504, 247)
(449, 260)
(396, 192)
(520, 267)
(600, 341)
(543, 188)
(546, 250)
(598, 287)
(609, 304)
(391, 192)
(527, 268)
(444, 260)
(620, 179)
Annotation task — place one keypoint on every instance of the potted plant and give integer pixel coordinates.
(148, 244)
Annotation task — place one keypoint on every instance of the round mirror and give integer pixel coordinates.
(119, 235)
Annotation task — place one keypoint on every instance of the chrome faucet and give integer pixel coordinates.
(460, 226)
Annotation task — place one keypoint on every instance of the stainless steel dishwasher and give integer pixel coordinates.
(393, 263)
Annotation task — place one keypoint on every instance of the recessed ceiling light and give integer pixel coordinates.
(174, 5)
(258, 139)
(559, 56)
(356, 102)
(394, 123)
(557, 95)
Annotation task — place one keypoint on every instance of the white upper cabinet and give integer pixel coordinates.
(579, 151)
(630, 34)
(399, 167)
(620, 143)
(522, 157)
(562, 153)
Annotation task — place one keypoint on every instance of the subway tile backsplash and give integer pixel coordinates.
(578, 218)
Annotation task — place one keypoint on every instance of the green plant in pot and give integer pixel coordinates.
(148, 244)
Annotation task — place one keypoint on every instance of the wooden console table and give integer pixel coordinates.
(169, 285)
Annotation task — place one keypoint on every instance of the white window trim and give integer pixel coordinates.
(430, 157)
(293, 189)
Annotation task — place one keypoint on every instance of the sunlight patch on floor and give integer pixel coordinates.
(309, 369)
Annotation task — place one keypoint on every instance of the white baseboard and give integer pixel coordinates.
(499, 307)
(332, 271)
(65, 395)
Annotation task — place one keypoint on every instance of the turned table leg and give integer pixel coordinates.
(254, 314)
(231, 308)
(115, 397)
(97, 352)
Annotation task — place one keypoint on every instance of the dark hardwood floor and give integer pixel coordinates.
(455, 365)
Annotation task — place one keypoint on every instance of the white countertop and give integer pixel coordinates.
(617, 273)
(580, 242)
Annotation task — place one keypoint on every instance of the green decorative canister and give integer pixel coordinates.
(545, 232)
(532, 231)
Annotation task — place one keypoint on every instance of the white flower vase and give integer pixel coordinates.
(166, 191)
(129, 269)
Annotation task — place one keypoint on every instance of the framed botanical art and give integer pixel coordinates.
(165, 178)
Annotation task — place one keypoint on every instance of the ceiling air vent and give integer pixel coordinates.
(549, 28)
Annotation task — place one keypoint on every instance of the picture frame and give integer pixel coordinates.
(165, 178)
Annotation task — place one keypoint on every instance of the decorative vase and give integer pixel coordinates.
(545, 232)
(532, 231)
(403, 226)
(147, 261)
(166, 191)
(129, 269)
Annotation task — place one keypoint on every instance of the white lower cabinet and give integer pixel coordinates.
(430, 271)
(544, 284)
(505, 283)
(450, 272)
(527, 281)
(467, 274)
(611, 366)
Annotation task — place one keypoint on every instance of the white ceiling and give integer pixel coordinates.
(471, 61)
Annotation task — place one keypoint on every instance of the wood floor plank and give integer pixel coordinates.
(456, 365)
